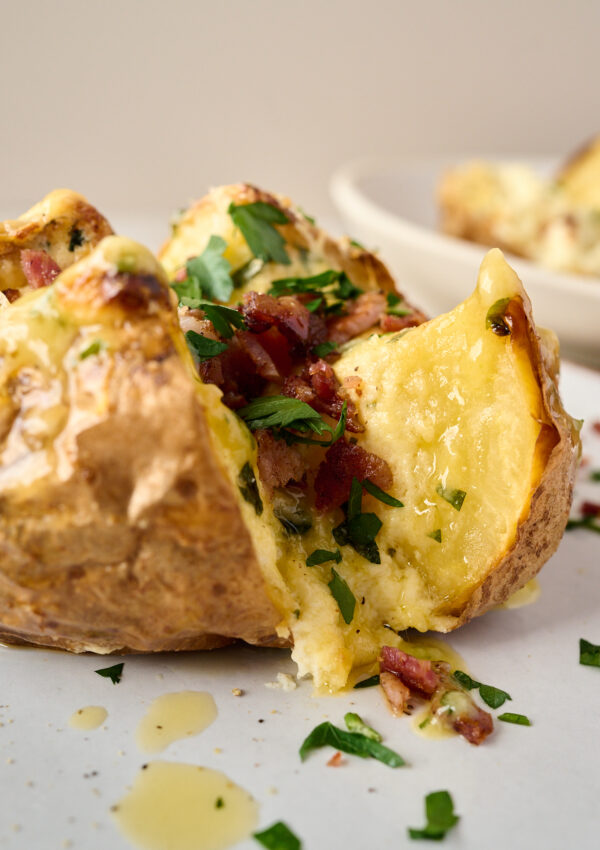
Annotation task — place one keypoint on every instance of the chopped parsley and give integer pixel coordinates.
(219, 803)
(354, 743)
(332, 288)
(436, 535)
(511, 717)
(202, 347)
(439, 811)
(325, 348)
(248, 487)
(589, 522)
(356, 244)
(384, 497)
(589, 653)
(76, 238)
(394, 307)
(323, 556)
(453, 497)
(495, 318)
(595, 475)
(355, 723)
(94, 347)
(284, 415)
(308, 217)
(248, 271)
(494, 697)
(293, 517)
(358, 529)
(113, 673)
(256, 222)
(368, 683)
(343, 596)
(278, 837)
(208, 276)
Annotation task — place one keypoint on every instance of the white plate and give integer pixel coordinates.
(390, 204)
(523, 788)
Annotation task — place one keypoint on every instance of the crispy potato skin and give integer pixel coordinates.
(49, 226)
(133, 538)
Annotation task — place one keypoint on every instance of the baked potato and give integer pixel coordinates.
(373, 472)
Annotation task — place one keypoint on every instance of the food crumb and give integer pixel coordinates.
(67, 843)
(17, 827)
(218, 750)
(10, 760)
(284, 682)
(237, 692)
(336, 760)
(272, 790)
(371, 790)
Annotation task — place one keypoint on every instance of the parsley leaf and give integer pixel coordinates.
(247, 272)
(589, 653)
(439, 811)
(202, 347)
(393, 305)
(453, 497)
(325, 348)
(356, 244)
(359, 530)
(519, 719)
(296, 285)
(595, 475)
(355, 499)
(248, 487)
(280, 412)
(368, 683)
(589, 522)
(384, 497)
(355, 723)
(323, 556)
(208, 276)
(494, 697)
(495, 317)
(219, 803)
(343, 596)
(113, 673)
(328, 735)
(94, 347)
(256, 223)
(436, 535)
(76, 238)
(278, 837)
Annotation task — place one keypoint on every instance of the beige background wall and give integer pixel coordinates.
(142, 105)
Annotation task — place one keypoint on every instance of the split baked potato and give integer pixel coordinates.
(431, 480)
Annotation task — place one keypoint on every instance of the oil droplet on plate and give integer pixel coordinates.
(87, 718)
(174, 806)
(174, 716)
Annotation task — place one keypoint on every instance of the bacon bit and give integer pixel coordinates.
(363, 314)
(590, 509)
(278, 463)
(596, 427)
(389, 323)
(39, 268)
(336, 760)
(416, 673)
(323, 380)
(352, 382)
(585, 461)
(278, 349)
(318, 387)
(286, 313)
(235, 373)
(396, 692)
(342, 463)
(12, 294)
(474, 727)
(263, 364)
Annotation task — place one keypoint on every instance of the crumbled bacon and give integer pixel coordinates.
(235, 373)
(286, 313)
(596, 427)
(343, 462)
(278, 463)
(416, 673)
(363, 314)
(263, 364)
(319, 387)
(12, 294)
(475, 726)
(336, 760)
(38, 267)
(396, 692)
(590, 509)
(390, 323)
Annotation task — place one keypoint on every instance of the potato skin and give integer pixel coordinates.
(133, 538)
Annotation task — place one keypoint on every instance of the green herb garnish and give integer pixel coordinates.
(323, 556)
(519, 719)
(94, 347)
(256, 222)
(219, 803)
(494, 697)
(293, 518)
(308, 217)
(368, 683)
(76, 238)
(595, 475)
(453, 497)
(328, 735)
(202, 347)
(589, 522)
(356, 244)
(278, 837)
(297, 285)
(284, 415)
(223, 318)
(325, 348)
(208, 276)
(439, 811)
(113, 673)
(436, 535)
(248, 487)
(359, 530)
(589, 653)
(343, 596)
(393, 308)
(495, 318)
(384, 497)
(247, 272)
(355, 723)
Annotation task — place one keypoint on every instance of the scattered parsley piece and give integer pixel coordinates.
(439, 811)
(495, 318)
(278, 837)
(343, 596)
(355, 499)
(494, 697)
(384, 497)
(308, 217)
(313, 306)
(325, 348)
(76, 238)
(202, 347)
(256, 223)
(360, 533)
(249, 488)
(393, 305)
(356, 244)
(328, 735)
(247, 272)
(219, 803)
(94, 347)
(293, 517)
(589, 653)
(589, 522)
(280, 412)
(208, 276)
(296, 285)
(223, 318)
(113, 673)
(323, 556)
(519, 719)
(595, 475)
(368, 683)
(453, 497)
(355, 723)
(436, 535)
